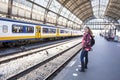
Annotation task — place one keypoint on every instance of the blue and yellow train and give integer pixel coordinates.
(14, 32)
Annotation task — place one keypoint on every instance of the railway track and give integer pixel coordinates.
(49, 67)
(11, 51)
(73, 52)
(50, 56)
(8, 57)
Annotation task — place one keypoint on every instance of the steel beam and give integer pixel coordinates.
(47, 10)
(81, 4)
(64, 3)
(84, 17)
(87, 12)
(82, 11)
(110, 16)
(90, 18)
(110, 4)
(60, 10)
(115, 15)
(99, 9)
(115, 12)
(71, 5)
(10, 3)
(79, 9)
(31, 10)
(50, 10)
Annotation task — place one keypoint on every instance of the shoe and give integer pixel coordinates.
(82, 67)
(86, 67)
(82, 70)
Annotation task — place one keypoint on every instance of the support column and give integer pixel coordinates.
(47, 10)
(10, 3)
(32, 10)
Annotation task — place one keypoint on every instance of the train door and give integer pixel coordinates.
(58, 31)
(38, 32)
(71, 33)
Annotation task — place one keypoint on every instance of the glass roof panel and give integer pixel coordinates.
(99, 6)
(42, 2)
(55, 6)
(52, 15)
(71, 16)
(78, 20)
(65, 12)
(39, 9)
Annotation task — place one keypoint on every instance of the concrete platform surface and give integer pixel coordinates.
(104, 63)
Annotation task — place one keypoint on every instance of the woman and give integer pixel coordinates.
(85, 48)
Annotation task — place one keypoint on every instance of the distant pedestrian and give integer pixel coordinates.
(88, 35)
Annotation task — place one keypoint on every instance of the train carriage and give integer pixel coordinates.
(13, 30)
(64, 32)
(18, 32)
(48, 32)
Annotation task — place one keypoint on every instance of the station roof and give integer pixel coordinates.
(85, 9)
(81, 8)
(69, 13)
(113, 9)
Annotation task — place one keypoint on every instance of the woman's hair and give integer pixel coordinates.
(90, 31)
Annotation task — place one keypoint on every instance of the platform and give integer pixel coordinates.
(104, 63)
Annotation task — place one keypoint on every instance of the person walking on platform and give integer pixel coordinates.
(85, 48)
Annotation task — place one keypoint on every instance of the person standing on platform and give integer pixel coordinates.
(85, 48)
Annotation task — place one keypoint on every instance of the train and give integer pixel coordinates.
(15, 32)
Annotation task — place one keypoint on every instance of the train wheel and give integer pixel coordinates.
(27, 41)
(8, 44)
(5, 44)
(11, 44)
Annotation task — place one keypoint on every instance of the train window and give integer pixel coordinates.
(5, 28)
(66, 31)
(53, 30)
(45, 30)
(17, 29)
(62, 31)
(49, 30)
(29, 29)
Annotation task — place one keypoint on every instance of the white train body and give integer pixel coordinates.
(13, 30)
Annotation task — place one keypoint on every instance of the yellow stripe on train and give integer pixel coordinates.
(16, 37)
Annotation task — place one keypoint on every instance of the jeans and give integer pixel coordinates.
(84, 54)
